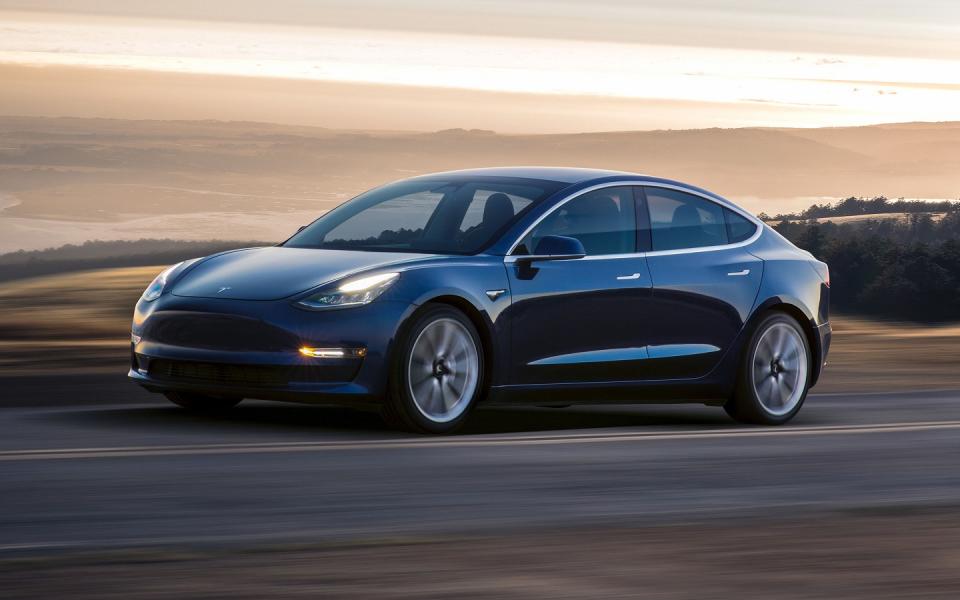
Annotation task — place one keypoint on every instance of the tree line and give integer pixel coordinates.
(853, 206)
(896, 268)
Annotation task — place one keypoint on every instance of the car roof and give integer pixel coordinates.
(570, 175)
(556, 174)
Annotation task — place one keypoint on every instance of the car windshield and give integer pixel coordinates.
(436, 216)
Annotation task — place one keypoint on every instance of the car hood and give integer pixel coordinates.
(277, 272)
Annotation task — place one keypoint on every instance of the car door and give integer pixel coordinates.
(704, 280)
(581, 320)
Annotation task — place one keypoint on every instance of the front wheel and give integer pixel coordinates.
(202, 403)
(438, 373)
(774, 374)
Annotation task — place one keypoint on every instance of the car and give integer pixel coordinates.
(426, 297)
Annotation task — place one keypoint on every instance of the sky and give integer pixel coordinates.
(545, 65)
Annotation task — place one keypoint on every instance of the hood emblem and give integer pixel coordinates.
(223, 289)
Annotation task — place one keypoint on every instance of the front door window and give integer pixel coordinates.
(603, 220)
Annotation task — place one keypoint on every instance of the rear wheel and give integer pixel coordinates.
(438, 372)
(774, 374)
(201, 402)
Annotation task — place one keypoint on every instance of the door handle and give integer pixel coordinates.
(628, 277)
(739, 273)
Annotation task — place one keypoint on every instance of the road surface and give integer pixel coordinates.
(140, 472)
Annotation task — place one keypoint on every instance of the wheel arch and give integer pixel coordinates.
(478, 317)
(806, 321)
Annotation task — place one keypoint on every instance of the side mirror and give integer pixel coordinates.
(555, 247)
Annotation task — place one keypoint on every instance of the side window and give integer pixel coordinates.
(603, 220)
(738, 228)
(679, 220)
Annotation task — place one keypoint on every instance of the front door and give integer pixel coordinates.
(582, 320)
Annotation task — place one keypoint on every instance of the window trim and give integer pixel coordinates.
(512, 258)
(644, 227)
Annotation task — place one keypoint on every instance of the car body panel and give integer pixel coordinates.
(700, 299)
(555, 331)
(578, 320)
(277, 272)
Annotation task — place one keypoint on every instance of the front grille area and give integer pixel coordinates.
(249, 375)
(217, 332)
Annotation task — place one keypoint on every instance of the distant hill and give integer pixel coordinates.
(910, 160)
(79, 179)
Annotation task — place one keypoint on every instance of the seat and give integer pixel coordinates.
(497, 212)
(686, 230)
(599, 226)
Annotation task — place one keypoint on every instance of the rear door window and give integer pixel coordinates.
(679, 220)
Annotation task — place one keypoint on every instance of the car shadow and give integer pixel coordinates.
(531, 419)
(259, 418)
(266, 418)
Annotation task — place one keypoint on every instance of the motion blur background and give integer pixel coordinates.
(136, 134)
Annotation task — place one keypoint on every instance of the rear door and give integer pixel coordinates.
(704, 281)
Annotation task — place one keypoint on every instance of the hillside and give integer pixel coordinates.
(71, 180)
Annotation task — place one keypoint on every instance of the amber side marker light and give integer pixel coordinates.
(333, 352)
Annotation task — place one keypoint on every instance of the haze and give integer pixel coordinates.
(346, 95)
(694, 63)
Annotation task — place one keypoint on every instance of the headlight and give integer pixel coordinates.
(155, 288)
(352, 292)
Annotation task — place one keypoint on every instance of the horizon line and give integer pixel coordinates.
(476, 130)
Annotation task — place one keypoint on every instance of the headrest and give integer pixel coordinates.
(498, 209)
(686, 215)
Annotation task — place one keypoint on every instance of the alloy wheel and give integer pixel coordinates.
(443, 370)
(779, 369)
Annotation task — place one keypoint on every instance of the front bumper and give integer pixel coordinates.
(250, 349)
(314, 393)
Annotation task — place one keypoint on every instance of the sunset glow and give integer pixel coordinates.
(774, 87)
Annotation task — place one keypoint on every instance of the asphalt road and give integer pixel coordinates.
(137, 471)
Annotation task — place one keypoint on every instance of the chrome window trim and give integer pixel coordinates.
(511, 258)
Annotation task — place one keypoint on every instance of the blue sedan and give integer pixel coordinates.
(429, 296)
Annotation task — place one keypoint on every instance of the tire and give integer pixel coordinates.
(201, 403)
(774, 375)
(438, 372)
